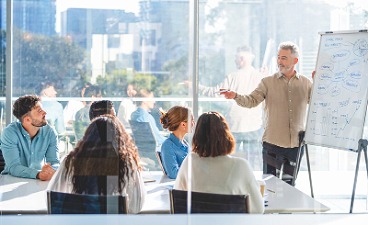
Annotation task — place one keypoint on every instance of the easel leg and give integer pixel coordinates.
(362, 147)
(366, 160)
(297, 164)
(301, 146)
(355, 180)
(309, 170)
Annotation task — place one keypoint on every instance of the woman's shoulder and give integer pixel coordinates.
(168, 143)
(238, 161)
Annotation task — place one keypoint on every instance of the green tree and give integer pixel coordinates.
(39, 58)
(114, 83)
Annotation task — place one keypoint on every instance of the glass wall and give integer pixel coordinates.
(127, 48)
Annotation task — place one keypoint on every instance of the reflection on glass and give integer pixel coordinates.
(145, 43)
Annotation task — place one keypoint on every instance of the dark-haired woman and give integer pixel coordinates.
(104, 162)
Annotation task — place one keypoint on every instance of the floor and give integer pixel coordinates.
(334, 189)
(332, 173)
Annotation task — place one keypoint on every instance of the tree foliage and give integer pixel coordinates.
(38, 58)
(114, 84)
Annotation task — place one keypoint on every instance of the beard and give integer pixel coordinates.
(284, 69)
(38, 123)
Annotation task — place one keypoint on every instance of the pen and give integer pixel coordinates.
(271, 191)
(222, 91)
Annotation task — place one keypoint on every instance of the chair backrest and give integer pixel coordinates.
(208, 202)
(66, 203)
(143, 135)
(158, 155)
(146, 143)
(285, 170)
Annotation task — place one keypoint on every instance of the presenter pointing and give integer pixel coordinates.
(286, 95)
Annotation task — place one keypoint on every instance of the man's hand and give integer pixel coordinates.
(46, 173)
(227, 93)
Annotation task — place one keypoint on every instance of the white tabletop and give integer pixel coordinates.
(280, 197)
(22, 196)
(28, 196)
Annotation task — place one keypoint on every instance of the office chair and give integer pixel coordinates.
(159, 159)
(208, 202)
(67, 203)
(285, 168)
(146, 143)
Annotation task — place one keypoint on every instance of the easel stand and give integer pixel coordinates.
(362, 147)
(305, 146)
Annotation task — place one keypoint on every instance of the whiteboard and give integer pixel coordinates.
(338, 102)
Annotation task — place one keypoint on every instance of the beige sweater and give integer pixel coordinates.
(221, 175)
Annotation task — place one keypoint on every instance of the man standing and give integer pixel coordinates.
(29, 145)
(286, 95)
(245, 124)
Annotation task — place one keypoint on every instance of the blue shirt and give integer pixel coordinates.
(24, 157)
(141, 115)
(173, 152)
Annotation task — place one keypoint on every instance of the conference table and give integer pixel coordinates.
(280, 197)
(28, 196)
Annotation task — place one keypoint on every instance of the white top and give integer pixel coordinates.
(221, 175)
(134, 189)
(242, 81)
(125, 110)
(70, 110)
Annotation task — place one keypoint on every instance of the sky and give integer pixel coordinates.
(128, 5)
(63, 5)
(342, 3)
(133, 6)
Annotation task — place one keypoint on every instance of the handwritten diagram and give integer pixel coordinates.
(339, 96)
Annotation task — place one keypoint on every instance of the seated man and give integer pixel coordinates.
(82, 119)
(99, 108)
(30, 142)
(73, 106)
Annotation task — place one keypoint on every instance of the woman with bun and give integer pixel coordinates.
(178, 120)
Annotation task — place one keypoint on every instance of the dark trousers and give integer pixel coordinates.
(288, 155)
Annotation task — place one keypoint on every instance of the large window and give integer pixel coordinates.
(145, 44)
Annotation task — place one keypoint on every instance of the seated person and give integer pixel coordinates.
(54, 109)
(213, 170)
(99, 108)
(30, 142)
(82, 116)
(104, 162)
(73, 106)
(142, 113)
(127, 106)
(175, 147)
